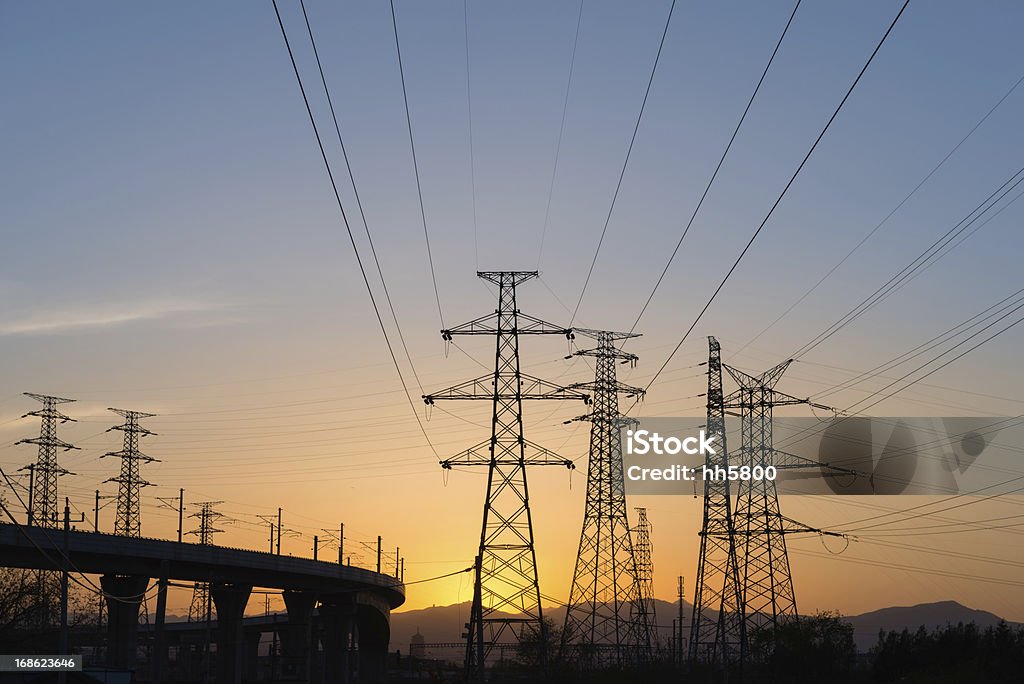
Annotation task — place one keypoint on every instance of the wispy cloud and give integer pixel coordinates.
(95, 317)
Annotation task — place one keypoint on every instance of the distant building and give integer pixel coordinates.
(416, 645)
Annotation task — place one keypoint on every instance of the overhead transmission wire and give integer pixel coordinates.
(625, 162)
(472, 153)
(415, 162)
(888, 216)
(931, 254)
(930, 344)
(561, 131)
(850, 411)
(348, 227)
(355, 193)
(718, 167)
(778, 200)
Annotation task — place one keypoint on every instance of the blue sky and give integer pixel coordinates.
(170, 238)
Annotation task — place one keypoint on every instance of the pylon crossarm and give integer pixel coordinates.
(483, 388)
(791, 526)
(794, 462)
(530, 325)
(491, 324)
(615, 386)
(480, 455)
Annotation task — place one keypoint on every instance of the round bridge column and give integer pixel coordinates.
(123, 595)
(295, 637)
(337, 618)
(230, 600)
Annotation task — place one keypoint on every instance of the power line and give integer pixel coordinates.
(887, 216)
(355, 192)
(785, 189)
(718, 167)
(919, 263)
(625, 162)
(944, 336)
(561, 131)
(415, 163)
(348, 227)
(472, 153)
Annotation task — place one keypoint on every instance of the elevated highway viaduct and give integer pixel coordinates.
(353, 604)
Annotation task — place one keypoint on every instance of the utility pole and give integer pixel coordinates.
(129, 520)
(505, 580)
(378, 554)
(720, 639)
(46, 470)
(605, 622)
(279, 529)
(64, 639)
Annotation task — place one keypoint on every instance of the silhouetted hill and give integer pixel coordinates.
(445, 623)
(929, 615)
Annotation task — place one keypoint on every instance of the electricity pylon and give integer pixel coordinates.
(201, 607)
(603, 626)
(506, 594)
(129, 521)
(717, 633)
(769, 600)
(42, 508)
(646, 617)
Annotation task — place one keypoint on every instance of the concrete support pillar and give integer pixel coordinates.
(337, 618)
(296, 636)
(124, 594)
(372, 637)
(230, 600)
(250, 655)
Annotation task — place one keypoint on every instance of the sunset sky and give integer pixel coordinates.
(172, 245)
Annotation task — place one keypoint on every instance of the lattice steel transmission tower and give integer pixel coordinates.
(769, 600)
(129, 521)
(201, 608)
(604, 621)
(717, 629)
(42, 507)
(646, 616)
(505, 580)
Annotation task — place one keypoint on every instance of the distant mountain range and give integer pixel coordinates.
(445, 624)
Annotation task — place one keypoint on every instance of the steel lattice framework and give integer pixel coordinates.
(506, 595)
(201, 608)
(645, 617)
(769, 600)
(604, 622)
(45, 471)
(130, 482)
(717, 631)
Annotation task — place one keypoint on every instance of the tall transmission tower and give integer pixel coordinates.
(45, 471)
(129, 521)
(768, 597)
(769, 600)
(717, 629)
(201, 608)
(604, 621)
(646, 614)
(506, 594)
